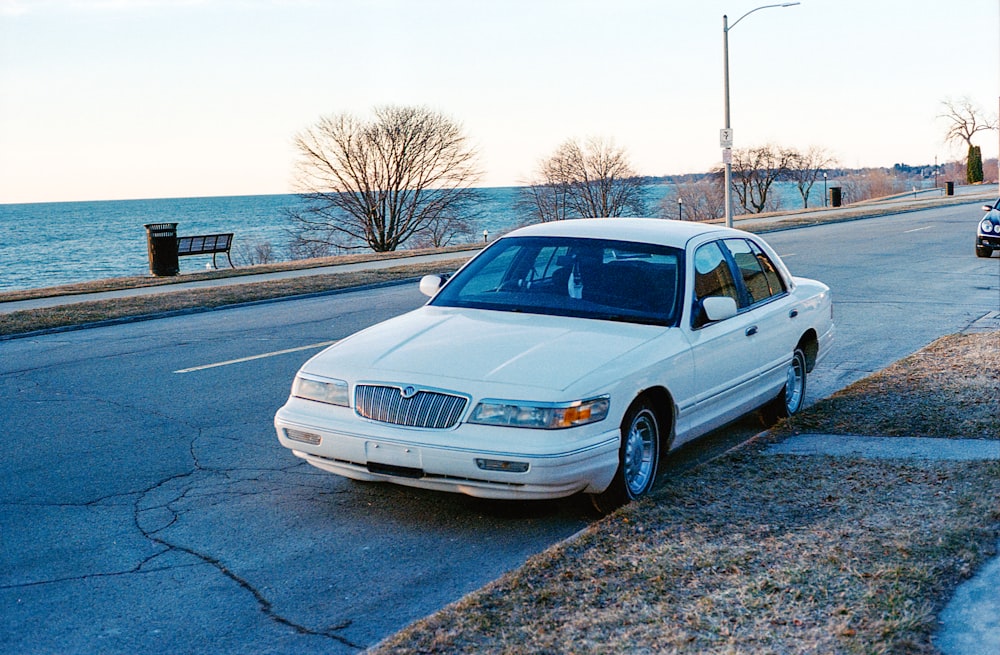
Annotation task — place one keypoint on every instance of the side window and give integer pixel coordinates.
(750, 270)
(760, 277)
(712, 276)
(774, 279)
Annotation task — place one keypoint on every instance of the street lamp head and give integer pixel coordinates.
(726, 27)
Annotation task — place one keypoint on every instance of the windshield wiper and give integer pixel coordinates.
(632, 318)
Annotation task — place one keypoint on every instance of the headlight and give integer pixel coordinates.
(987, 226)
(323, 390)
(544, 416)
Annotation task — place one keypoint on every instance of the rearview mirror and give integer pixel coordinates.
(431, 284)
(987, 208)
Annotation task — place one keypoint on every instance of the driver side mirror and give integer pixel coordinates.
(431, 284)
(719, 308)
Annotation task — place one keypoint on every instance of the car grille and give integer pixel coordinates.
(424, 409)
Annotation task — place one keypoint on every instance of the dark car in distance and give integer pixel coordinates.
(988, 232)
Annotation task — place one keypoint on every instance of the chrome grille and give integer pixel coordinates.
(425, 409)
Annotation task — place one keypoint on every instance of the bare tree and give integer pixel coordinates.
(755, 170)
(378, 183)
(703, 199)
(806, 167)
(589, 180)
(965, 120)
(440, 232)
(254, 250)
(545, 199)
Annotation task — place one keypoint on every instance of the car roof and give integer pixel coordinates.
(660, 231)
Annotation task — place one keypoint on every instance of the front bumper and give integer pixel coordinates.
(464, 460)
(989, 241)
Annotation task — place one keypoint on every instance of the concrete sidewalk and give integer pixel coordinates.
(970, 622)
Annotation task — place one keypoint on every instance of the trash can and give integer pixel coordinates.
(161, 242)
(949, 188)
(835, 196)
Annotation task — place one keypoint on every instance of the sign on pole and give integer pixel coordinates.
(726, 137)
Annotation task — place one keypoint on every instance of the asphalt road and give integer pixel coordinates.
(147, 506)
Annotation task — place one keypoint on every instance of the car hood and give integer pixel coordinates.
(431, 345)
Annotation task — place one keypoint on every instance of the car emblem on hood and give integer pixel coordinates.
(408, 392)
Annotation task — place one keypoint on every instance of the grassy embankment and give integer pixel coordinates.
(757, 553)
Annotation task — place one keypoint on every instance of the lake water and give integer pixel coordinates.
(47, 244)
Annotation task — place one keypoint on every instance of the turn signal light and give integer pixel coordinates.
(502, 465)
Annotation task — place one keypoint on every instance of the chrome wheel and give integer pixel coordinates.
(639, 456)
(795, 384)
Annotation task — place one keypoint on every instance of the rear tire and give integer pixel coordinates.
(638, 458)
(792, 395)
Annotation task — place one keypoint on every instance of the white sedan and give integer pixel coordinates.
(566, 357)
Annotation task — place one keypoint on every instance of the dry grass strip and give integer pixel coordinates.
(950, 389)
(768, 554)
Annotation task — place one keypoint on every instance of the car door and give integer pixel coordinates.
(725, 361)
(766, 304)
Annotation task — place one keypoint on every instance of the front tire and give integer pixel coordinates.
(983, 251)
(638, 458)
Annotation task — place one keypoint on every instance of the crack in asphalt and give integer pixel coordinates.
(145, 514)
(265, 605)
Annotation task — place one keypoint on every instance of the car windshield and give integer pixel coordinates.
(585, 278)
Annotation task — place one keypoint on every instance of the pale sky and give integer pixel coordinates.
(114, 99)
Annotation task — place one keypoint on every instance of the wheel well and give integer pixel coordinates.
(809, 344)
(663, 403)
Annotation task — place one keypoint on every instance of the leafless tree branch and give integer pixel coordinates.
(805, 168)
(965, 120)
(755, 170)
(588, 180)
(378, 183)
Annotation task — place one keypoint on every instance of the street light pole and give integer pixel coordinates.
(727, 155)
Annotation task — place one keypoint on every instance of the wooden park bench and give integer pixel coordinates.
(206, 244)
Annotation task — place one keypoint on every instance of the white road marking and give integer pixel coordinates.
(311, 346)
(917, 229)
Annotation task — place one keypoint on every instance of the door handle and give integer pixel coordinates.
(752, 330)
(793, 313)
